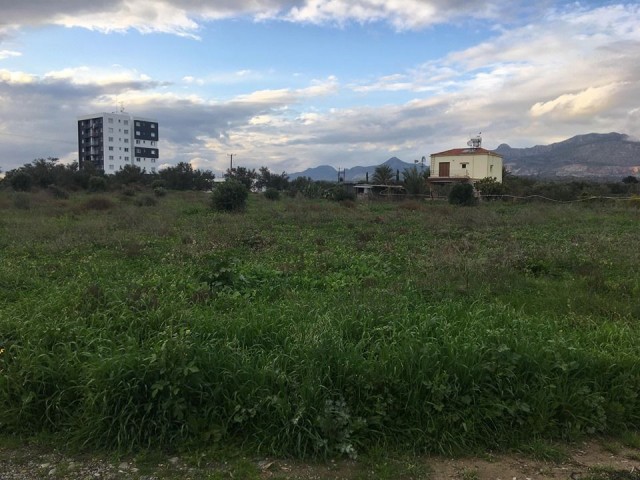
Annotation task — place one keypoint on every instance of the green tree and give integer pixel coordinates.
(129, 174)
(243, 175)
(462, 194)
(415, 180)
(489, 186)
(383, 175)
(230, 195)
(267, 179)
(21, 181)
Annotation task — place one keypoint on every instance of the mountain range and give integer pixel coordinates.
(595, 155)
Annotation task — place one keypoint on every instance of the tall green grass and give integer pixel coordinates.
(308, 329)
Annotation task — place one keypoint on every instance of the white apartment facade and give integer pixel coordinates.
(112, 140)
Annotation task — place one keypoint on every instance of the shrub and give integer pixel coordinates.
(272, 194)
(160, 191)
(339, 194)
(158, 184)
(57, 192)
(145, 201)
(462, 194)
(97, 184)
(229, 196)
(21, 181)
(97, 203)
(22, 201)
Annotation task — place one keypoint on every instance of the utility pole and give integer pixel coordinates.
(231, 161)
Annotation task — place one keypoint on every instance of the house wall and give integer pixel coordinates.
(469, 166)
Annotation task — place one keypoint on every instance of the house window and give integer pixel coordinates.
(491, 168)
(111, 149)
(153, 160)
(153, 169)
(126, 122)
(126, 140)
(137, 124)
(110, 157)
(111, 139)
(126, 159)
(137, 142)
(153, 134)
(110, 120)
(137, 132)
(464, 165)
(110, 129)
(110, 167)
(126, 131)
(126, 149)
(137, 159)
(153, 125)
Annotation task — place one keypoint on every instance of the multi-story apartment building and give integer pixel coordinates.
(112, 140)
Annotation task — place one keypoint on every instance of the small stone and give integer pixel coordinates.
(45, 465)
(123, 466)
(52, 472)
(174, 460)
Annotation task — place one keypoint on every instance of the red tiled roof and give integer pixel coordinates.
(465, 151)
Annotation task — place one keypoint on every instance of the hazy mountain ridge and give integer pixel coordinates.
(327, 172)
(592, 155)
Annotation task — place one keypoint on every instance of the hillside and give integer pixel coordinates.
(592, 155)
(326, 172)
(613, 155)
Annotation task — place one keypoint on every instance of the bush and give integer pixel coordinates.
(340, 194)
(145, 201)
(21, 182)
(229, 196)
(57, 192)
(97, 184)
(22, 201)
(462, 194)
(158, 184)
(98, 203)
(272, 194)
(160, 191)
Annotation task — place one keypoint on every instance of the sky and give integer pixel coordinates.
(292, 84)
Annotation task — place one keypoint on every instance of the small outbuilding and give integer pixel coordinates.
(466, 164)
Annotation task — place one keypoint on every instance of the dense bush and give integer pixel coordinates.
(272, 194)
(57, 192)
(97, 184)
(229, 196)
(21, 181)
(462, 194)
(340, 193)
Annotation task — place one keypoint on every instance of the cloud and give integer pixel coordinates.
(8, 54)
(185, 17)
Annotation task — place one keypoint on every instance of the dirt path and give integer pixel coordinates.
(594, 460)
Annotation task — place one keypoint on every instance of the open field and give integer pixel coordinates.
(308, 328)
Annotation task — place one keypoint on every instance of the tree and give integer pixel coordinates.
(462, 194)
(267, 179)
(129, 174)
(21, 181)
(229, 196)
(415, 180)
(630, 180)
(383, 175)
(243, 175)
(490, 186)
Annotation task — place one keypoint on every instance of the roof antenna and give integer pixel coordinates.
(476, 141)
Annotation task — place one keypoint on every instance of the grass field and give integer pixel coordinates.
(311, 328)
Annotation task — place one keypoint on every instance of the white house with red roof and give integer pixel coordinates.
(466, 164)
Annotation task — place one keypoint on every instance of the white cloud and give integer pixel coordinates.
(8, 54)
(185, 17)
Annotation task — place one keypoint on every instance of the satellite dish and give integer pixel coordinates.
(476, 141)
